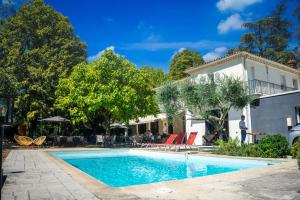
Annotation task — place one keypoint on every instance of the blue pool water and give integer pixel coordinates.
(133, 167)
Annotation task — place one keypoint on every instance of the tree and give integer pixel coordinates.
(156, 76)
(182, 61)
(169, 100)
(37, 47)
(108, 90)
(212, 99)
(269, 36)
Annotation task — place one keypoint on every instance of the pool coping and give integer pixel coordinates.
(101, 190)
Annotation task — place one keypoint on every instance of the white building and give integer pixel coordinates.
(262, 76)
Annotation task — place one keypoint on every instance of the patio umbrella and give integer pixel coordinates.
(121, 126)
(118, 125)
(56, 119)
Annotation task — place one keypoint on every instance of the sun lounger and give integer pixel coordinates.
(23, 140)
(190, 143)
(178, 141)
(169, 141)
(26, 141)
(39, 141)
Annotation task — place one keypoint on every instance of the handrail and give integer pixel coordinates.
(268, 88)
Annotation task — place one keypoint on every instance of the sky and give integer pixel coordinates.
(150, 32)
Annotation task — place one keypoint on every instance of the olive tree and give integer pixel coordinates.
(212, 99)
(168, 97)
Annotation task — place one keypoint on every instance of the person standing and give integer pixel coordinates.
(243, 128)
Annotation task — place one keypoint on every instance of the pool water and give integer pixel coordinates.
(134, 167)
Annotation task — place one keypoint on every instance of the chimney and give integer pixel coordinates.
(292, 63)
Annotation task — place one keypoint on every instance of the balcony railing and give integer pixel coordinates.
(267, 88)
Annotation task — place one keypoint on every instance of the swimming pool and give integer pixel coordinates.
(119, 168)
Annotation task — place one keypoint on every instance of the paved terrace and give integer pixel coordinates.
(35, 175)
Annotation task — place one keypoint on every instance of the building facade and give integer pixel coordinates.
(263, 77)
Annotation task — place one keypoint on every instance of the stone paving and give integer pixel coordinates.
(30, 176)
(35, 175)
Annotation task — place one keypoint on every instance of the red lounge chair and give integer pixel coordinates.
(189, 143)
(169, 141)
(178, 141)
(179, 138)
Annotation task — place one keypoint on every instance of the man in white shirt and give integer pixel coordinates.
(243, 128)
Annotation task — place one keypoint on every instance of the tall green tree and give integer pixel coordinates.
(182, 61)
(108, 90)
(37, 47)
(169, 99)
(268, 37)
(155, 76)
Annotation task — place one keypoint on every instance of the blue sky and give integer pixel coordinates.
(149, 32)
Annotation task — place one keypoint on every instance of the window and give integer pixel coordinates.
(283, 82)
(295, 84)
(297, 115)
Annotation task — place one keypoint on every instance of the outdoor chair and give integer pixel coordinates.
(62, 141)
(23, 140)
(189, 143)
(99, 139)
(169, 141)
(178, 141)
(40, 140)
(210, 139)
(76, 141)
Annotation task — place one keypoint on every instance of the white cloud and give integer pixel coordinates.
(235, 5)
(153, 38)
(178, 51)
(216, 53)
(98, 55)
(154, 46)
(233, 22)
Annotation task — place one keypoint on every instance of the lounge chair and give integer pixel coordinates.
(169, 141)
(23, 140)
(190, 143)
(178, 141)
(39, 141)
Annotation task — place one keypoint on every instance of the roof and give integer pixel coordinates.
(242, 54)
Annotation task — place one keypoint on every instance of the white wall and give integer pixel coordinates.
(234, 68)
(199, 127)
(270, 74)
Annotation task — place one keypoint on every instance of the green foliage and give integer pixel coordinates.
(156, 76)
(269, 36)
(107, 90)
(274, 146)
(295, 148)
(37, 47)
(212, 98)
(233, 148)
(169, 99)
(298, 158)
(182, 61)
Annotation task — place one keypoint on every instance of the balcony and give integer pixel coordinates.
(267, 88)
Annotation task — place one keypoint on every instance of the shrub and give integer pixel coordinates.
(233, 148)
(295, 148)
(228, 148)
(298, 158)
(273, 146)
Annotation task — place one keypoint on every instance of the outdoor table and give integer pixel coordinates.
(254, 134)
